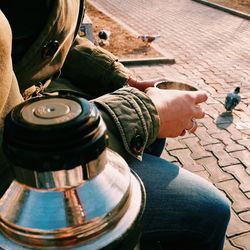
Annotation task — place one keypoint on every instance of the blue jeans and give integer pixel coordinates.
(183, 211)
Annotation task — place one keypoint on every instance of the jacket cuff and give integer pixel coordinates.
(135, 117)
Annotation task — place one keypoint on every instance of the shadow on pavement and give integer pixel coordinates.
(224, 120)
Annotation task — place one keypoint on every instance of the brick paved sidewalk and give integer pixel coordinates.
(212, 51)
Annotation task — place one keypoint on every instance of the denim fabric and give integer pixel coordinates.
(157, 147)
(183, 211)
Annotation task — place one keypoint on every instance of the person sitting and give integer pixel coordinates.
(183, 210)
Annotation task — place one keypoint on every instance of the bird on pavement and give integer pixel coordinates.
(232, 99)
(148, 39)
(103, 36)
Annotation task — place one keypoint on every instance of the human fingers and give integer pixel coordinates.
(198, 112)
(150, 83)
(143, 84)
(192, 125)
(183, 132)
(199, 96)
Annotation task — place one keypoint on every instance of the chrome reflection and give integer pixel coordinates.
(83, 215)
(61, 179)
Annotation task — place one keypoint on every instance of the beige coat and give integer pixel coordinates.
(72, 64)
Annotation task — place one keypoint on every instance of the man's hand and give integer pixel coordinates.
(176, 110)
(143, 84)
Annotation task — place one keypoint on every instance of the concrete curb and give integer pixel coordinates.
(223, 8)
(147, 61)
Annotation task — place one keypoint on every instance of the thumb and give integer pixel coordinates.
(200, 96)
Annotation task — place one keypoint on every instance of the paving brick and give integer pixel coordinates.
(233, 147)
(184, 157)
(225, 138)
(224, 158)
(245, 216)
(221, 110)
(180, 68)
(240, 201)
(242, 241)
(211, 111)
(244, 157)
(216, 99)
(175, 143)
(216, 174)
(228, 245)
(196, 73)
(235, 133)
(236, 226)
(197, 151)
(204, 174)
(165, 155)
(245, 132)
(243, 116)
(210, 90)
(241, 125)
(203, 134)
(239, 172)
(247, 194)
(203, 86)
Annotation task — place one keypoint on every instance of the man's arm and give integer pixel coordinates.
(132, 120)
(93, 69)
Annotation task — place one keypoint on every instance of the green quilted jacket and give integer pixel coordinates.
(60, 60)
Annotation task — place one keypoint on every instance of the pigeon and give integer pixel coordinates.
(232, 99)
(148, 39)
(104, 37)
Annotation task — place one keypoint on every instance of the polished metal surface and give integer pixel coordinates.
(61, 179)
(51, 111)
(91, 215)
(69, 190)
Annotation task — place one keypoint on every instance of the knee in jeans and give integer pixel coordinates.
(226, 210)
(221, 212)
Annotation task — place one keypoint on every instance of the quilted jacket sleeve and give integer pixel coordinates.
(130, 115)
(134, 116)
(94, 69)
